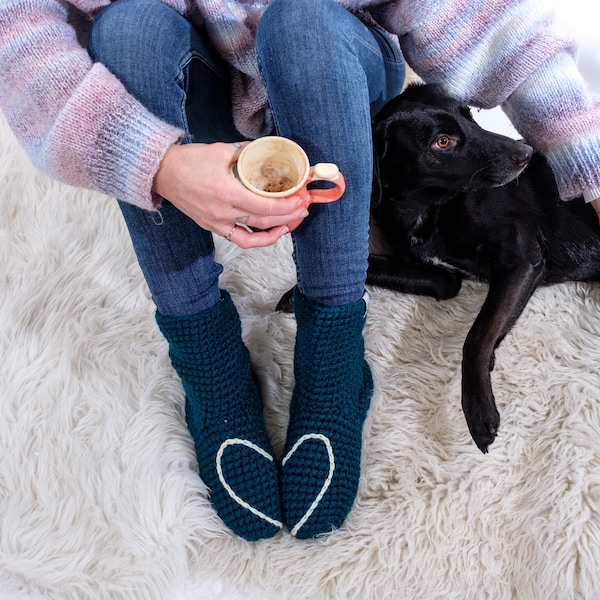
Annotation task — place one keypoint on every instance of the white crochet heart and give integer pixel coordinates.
(327, 443)
(248, 444)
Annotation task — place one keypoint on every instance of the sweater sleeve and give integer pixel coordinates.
(555, 112)
(508, 53)
(74, 118)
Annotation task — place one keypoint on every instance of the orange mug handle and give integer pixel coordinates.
(326, 172)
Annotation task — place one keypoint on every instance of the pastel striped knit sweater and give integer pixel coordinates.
(79, 125)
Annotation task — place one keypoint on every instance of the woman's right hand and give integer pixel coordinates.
(198, 179)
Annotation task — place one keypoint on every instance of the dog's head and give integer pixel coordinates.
(423, 138)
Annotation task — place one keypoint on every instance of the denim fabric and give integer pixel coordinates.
(326, 74)
(167, 65)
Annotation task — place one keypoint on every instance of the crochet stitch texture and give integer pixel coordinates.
(333, 388)
(223, 411)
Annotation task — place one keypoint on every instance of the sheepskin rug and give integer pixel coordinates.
(99, 498)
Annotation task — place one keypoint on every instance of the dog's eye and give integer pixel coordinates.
(443, 142)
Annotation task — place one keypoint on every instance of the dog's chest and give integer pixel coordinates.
(434, 250)
(440, 238)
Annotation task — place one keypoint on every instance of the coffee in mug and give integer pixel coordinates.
(274, 166)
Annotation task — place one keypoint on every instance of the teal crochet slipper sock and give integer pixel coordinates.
(332, 392)
(223, 411)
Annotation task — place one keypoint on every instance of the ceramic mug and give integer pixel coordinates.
(275, 167)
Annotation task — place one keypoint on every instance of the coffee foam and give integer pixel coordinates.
(274, 176)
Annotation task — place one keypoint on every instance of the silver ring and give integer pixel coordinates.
(228, 236)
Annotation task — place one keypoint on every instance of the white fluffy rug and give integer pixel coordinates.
(98, 495)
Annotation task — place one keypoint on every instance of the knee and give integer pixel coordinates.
(289, 20)
(112, 20)
(120, 25)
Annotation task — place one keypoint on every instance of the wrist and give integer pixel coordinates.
(162, 177)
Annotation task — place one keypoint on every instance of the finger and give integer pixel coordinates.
(228, 235)
(237, 148)
(256, 239)
(281, 210)
(266, 223)
(262, 212)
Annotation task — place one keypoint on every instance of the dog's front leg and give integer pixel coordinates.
(390, 272)
(509, 292)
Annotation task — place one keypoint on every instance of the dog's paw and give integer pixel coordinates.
(483, 420)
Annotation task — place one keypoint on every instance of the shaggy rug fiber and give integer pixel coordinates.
(99, 498)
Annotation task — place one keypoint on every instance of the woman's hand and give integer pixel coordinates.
(198, 179)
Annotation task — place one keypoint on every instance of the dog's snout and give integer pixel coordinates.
(522, 155)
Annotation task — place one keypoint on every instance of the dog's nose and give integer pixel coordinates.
(522, 155)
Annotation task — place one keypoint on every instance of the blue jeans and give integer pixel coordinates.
(326, 75)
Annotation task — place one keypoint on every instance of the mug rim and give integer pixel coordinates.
(267, 139)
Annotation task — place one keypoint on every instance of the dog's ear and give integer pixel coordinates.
(430, 94)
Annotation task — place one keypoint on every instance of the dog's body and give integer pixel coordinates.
(453, 201)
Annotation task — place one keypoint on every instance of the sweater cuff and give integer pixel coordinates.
(591, 194)
(116, 145)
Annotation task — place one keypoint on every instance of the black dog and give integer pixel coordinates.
(454, 201)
